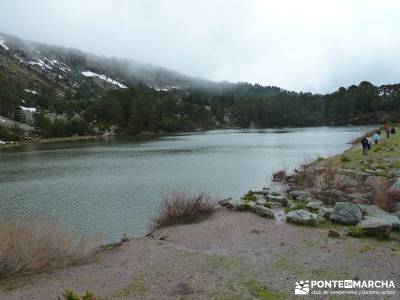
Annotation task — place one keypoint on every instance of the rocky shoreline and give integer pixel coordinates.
(366, 202)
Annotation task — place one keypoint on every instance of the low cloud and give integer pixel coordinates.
(305, 45)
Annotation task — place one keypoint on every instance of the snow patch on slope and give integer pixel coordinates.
(2, 44)
(105, 78)
(30, 109)
(31, 91)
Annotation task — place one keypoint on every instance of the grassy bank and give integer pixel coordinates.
(383, 159)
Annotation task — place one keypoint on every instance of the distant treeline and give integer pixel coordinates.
(141, 108)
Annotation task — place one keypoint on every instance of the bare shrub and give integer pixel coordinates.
(387, 200)
(29, 246)
(183, 208)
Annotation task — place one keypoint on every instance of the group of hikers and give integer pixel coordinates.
(367, 140)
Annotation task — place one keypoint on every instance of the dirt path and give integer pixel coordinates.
(232, 255)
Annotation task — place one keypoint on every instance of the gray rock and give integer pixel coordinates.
(374, 166)
(396, 186)
(237, 204)
(371, 210)
(125, 238)
(344, 181)
(264, 212)
(262, 192)
(273, 205)
(357, 175)
(282, 199)
(376, 226)
(251, 205)
(314, 204)
(224, 202)
(259, 196)
(346, 213)
(388, 218)
(334, 234)
(300, 195)
(325, 212)
(302, 216)
(261, 202)
(291, 204)
(359, 197)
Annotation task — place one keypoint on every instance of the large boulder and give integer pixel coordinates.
(314, 204)
(302, 216)
(391, 219)
(346, 213)
(376, 226)
(264, 211)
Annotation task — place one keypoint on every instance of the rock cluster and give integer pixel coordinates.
(303, 208)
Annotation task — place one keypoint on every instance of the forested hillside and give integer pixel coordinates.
(63, 92)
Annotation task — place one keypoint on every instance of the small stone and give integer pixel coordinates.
(264, 212)
(224, 202)
(237, 204)
(181, 289)
(261, 202)
(334, 234)
(125, 238)
(273, 205)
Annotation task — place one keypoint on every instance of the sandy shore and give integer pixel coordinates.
(231, 255)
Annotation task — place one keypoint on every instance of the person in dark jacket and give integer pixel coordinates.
(364, 144)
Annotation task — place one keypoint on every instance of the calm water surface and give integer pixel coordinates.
(115, 186)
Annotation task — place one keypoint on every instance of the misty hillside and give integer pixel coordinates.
(41, 65)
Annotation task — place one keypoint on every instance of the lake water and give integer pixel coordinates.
(114, 186)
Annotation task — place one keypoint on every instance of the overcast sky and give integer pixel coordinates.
(303, 45)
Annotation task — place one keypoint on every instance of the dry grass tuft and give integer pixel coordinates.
(183, 208)
(29, 246)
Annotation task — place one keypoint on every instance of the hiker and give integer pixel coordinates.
(392, 130)
(388, 132)
(364, 144)
(369, 142)
(376, 137)
(386, 126)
